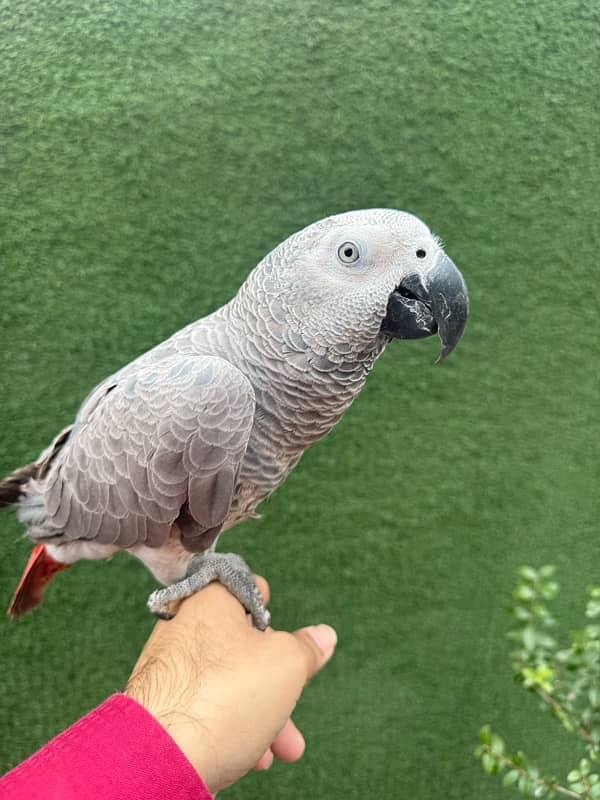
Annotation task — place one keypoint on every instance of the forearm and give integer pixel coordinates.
(117, 752)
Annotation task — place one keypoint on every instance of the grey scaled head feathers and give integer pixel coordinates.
(351, 282)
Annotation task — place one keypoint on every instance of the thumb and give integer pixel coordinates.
(317, 645)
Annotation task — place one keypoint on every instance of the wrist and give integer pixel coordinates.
(178, 721)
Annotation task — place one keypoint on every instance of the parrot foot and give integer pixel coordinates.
(229, 569)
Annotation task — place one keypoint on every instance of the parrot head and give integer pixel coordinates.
(351, 281)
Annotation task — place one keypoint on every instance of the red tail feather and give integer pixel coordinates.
(38, 571)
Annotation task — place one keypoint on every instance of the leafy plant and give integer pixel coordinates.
(566, 680)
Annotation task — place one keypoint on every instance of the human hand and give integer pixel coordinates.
(225, 691)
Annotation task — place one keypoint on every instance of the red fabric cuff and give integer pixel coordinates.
(116, 752)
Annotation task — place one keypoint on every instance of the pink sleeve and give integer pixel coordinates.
(116, 752)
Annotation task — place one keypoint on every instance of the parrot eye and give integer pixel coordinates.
(348, 253)
(421, 253)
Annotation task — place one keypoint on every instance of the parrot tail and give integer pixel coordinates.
(11, 487)
(39, 570)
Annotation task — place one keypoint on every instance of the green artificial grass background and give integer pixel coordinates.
(150, 154)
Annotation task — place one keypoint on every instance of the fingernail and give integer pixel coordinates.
(324, 636)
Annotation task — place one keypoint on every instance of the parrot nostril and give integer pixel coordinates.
(405, 292)
(412, 288)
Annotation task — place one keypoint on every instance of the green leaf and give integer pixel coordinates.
(547, 571)
(529, 637)
(538, 677)
(524, 784)
(593, 609)
(489, 763)
(545, 641)
(511, 777)
(485, 734)
(524, 592)
(550, 590)
(584, 766)
(520, 759)
(574, 775)
(529, 573)
(541, 612)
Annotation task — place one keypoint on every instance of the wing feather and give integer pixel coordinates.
(165, 439)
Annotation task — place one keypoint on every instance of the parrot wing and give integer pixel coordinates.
(163, 444)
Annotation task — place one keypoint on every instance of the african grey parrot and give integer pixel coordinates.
(188, 439)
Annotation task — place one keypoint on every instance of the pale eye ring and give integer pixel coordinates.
(348, 252)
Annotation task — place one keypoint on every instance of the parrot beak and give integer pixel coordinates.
(434, 302)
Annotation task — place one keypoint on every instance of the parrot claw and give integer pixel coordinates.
(158, 613)
(227, 568)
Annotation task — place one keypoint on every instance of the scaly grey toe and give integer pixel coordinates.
(229, 569)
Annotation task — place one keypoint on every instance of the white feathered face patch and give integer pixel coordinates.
(350, 279)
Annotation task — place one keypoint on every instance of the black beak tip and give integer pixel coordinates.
(450, 335)
(450, 302)
(444, 353)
